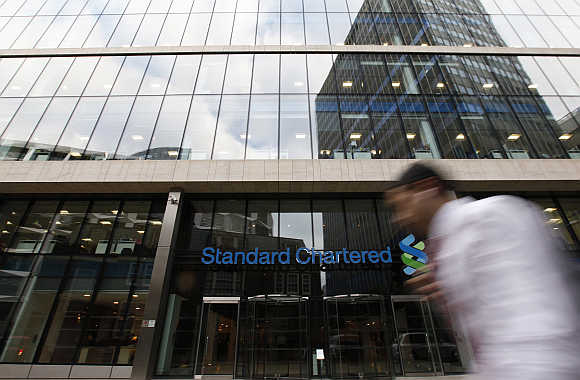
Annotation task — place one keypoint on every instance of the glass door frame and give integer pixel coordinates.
(432, 346)
(198, 364)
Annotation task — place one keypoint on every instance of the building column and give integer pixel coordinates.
(152, 328)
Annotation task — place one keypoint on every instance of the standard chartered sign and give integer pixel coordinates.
(303, 256)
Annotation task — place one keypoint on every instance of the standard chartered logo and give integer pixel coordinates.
(413, 257)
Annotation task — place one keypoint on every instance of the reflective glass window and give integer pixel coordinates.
(314, 6)
(79, 32)
(244, 31)
(11, 214)
(294, 127)
(339, 27)
(62, 236)
(200, 130)
(262, 225)
(184, 74)
(327, 139)
(125, 30)
(139, 128)
(50, 78)
(197, 216)
(220, 30)
(225, 6)
(231, 132)
(571, 208)
(8, 67)
(49, 129)
(158, 6)
(181, 6)
(18, 132)
(247, 6)
(551, 7)
(229, 222)
(130, 228)
(149, 30)
(12, 30)
(73, 7)
(157, 75)
(418, 129)
(238, 74)
(107, 133)
(104, 76)
(24, 79)
(292, 27)
(32, 33)
(169, 129)
(559, 76)
(78, 131)
(77, 77)
(362, 224)
(137, 6)
(329, 224)
(203, 6)
(389, 135)
(262, 136)
(196, 30)
(268, 29)
(211, 74)
(55, 32)
(10, 7)
(116, 6)
(94, 6)
(336, 6)
(269, 5)
(172, 31)
(8, 108)
(321, 74)
(295, 224)
(316, 29)
(294, 78)
(102, 31)
(266, 69)
(129, 78)
(30, 234)
(96, 231)
(549, 32)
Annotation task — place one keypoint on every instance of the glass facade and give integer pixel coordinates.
(75, 277)
(289, 106)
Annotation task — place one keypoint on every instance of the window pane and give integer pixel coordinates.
(169, 129)
(50, 79)
(211, 74)
(102, 31)
(320, 74)
(327, 140)
(231, 128)
(247, 6)
(137, 6)
(32, 33)
(196, 30)
(21, 127)
(77, 77)
(244, 32)
(265, 79)
(116, 6)
(183, 6)
(262, 221)
(292, 29)
(480, 131)
(220, 30)
(62, 237)
(129, 78)
(294, 128)
(31, 232)
(391, 141)
(238, 74)
(8, 108)
(329, 226)
(11, 214)
(199, 133)
(184, 74)
(197, 218)
(12, 30)
(8, 68)
(130, 228)
(295, 224)
(294, 68)
(104, 76)
(157, 75)
(268, 29)
(137, 133)
(419, 131)
(95, 6)
(108, 131)
(228, 224)
(79, 32)
(149, 30)
(203, 6)
(49, 129)
(362, 224)
(269, 5)
(316, 29)
(262, 137)
(96, 231)
(339, 27)
(125, 31)
(24, 79)
(314, 6)
(79, 129)
(172, 31)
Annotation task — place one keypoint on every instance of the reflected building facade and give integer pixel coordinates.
(136, 133)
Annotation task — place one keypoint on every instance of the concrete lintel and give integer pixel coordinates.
(269, 49)
(261, 176)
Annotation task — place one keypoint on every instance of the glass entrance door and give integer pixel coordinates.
(358, 338)
(415, 342)
(216, 351)
(274, 341)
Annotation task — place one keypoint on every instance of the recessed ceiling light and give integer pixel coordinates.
(172, 153)
(487, 86)
(424, 44)
(301, 136)
(460, 136)
(156, 222)
(86, 295)
(514, 137)
(75, 154)
(87, 239)
(140, 232)
(64, 212)
(137, 137)
(396, 84)
(566, 136)
(355, 136)
(347, 83)
(105, 222)
(135, 296)
(533, 86)
(115, 302)
(114, 212)
(385, 44)
(550, 209)
(468, 45)
(440, 85)
(5, 232)
(411, 136)
(555, 220)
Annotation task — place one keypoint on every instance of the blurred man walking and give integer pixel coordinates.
(495, 266)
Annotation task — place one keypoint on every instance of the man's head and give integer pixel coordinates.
(419, 193)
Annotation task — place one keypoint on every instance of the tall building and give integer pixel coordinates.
(134, 134)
